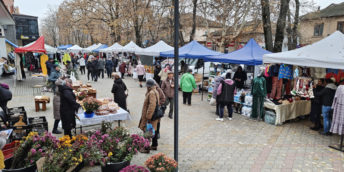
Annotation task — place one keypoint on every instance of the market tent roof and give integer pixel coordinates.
(156, 49)
(116, 47)
(75, 49)
(64, 47)
(131, 47)
(11, 43)
(250, 54)
(36, 47)
(50, 49)
(326, 53)
(92, 47)
(192, 50)
(101, 47)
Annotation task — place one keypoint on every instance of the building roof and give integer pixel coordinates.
(24, 15)
(333, 10)
(5, 15)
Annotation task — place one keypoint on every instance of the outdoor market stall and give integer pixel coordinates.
(91, 48)
(97, 50)
(131, 47)
(75, 49)
(148, 54)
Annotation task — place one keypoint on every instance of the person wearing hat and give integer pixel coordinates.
(148, 109)
(187, 84)
(168, 87)
(327, 95)
(54, 75)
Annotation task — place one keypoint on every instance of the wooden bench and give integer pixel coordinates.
(41, 100)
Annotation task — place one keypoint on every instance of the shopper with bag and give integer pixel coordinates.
(225, 97)
(150, 104)
(218, 81)
(187, 84)
(141, 71)
(168, 87)
(119, 91)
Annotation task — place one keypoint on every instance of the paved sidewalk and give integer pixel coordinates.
(208, 145)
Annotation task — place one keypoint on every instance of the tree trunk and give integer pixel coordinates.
(267, 24)
(289, 32)
(281, 22)
(194, 11)
(296, 23)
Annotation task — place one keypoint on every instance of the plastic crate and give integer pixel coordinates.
(270, 117)
(16, 110)
(9, 149)
(38, 124)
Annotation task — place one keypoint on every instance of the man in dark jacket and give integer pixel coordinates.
(315, 115)
(94, 66)
(109, 67)
(168, 87)
(240, 77)
(327, 95)
(5, 96)
(101, 67)
(68, 107)
(119, 92)
(50, 65)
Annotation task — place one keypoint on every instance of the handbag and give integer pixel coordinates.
(158, 112)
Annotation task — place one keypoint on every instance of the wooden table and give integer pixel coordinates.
(41, 100)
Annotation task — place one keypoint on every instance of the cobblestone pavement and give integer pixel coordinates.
(208, 145)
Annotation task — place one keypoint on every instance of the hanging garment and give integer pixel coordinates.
(259, 94)
(318, 73)
(285, 72)
(44, 58)
(18, 68)
(337, 125)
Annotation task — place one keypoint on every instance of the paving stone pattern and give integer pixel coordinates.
(208, 145)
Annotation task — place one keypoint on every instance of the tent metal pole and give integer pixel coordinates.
(202, 81)
(176, 84)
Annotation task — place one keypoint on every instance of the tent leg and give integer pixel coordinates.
(202, 82)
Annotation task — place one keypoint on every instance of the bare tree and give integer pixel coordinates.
(50, 28)
(267, 24)
(194, 12)
(281, 23)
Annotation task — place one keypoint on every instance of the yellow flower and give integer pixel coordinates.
(74, 159)
(70, 150)
(80, 160)
(110, 154)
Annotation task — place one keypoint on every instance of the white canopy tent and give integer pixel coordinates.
(155, 49)
(326, 53)
(48, 48)
(75, 49)
(92, 47)
(116, 47)
(131, 47)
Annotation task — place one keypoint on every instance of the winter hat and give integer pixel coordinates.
(150, 83)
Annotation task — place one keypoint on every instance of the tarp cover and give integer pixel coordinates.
(116, 47)
(101, 47)
(156, 49)
(37, 47)
(192, 50)
(131, 47)
(64, 47)
(250, 54)
(75, 49)
(326, 53)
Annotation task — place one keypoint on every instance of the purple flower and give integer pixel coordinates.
(33, 151)
(40, 150)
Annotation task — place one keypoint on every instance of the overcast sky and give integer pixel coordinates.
(40, 7)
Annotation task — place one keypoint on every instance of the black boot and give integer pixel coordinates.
(55, 131)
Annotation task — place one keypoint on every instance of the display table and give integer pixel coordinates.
(289, 111)
(121, 115)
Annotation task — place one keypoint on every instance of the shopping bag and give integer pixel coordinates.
(150, 128)
(72, 77)
(135, 76)
(212, 102)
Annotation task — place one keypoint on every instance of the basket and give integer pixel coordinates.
(270, 117)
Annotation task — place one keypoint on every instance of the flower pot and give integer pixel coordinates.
(88, 115)
(115, 167)
(31, 168)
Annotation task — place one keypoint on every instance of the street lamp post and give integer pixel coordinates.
(176, 85)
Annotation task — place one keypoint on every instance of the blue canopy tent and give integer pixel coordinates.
(193, 50)
(101, 47)
(250, 54)
(64, 47)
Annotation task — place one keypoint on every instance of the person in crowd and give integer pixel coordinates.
(89, 68)
(5, 96)
(65, 58)
(183, 67)
(109, 67)
(164, 72)
(101, 67)
(168, 87)
(115, 63)
(240, 77)
(187, 84)
(315, 114)
(141, 71)
(57, 104)
(68, 107)
(122, 69)
(218, 81)
(75, 60)
(82, 63)
(162, 101)
(50, 65)
(225, 94)
(149, 105)
(55, 74)
(156, 77)
(69, 67)
(327, 95)
(94, 70)
(120, 91)
(130, 68)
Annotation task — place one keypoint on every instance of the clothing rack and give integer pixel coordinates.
(340, 145)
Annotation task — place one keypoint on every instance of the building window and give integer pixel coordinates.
(340, 26)
(318, 29)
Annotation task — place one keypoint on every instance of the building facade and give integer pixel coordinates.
(26, 29)
(317, 25)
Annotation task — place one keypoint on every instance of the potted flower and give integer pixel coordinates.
(81, 95)
(90, 105)
(161, 163)
(32, 148)
(134, 168)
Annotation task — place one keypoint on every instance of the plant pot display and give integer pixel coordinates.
(30, 168)
(90, 105)
(88, 114)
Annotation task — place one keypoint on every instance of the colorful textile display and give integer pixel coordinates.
(285, 72)
(337, 125)
(44, 58)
